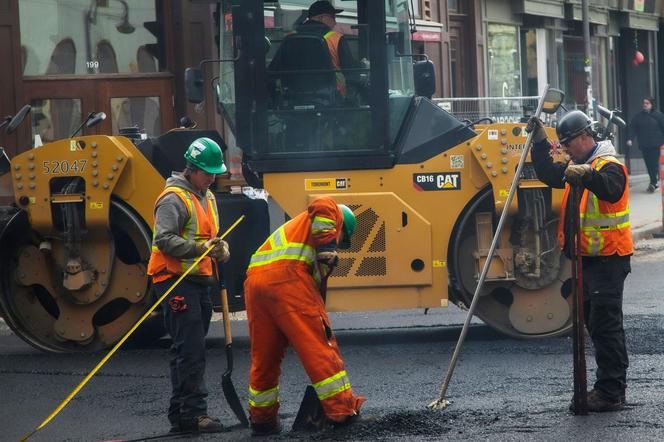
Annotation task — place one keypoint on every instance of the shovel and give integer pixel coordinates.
(226, 383)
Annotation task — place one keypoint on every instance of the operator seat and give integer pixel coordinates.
(289, 80)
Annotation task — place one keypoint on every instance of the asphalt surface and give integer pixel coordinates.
(503, 389)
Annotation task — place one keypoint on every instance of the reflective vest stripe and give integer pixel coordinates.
(265, 398)
(295, 252)
(332, 39)
(605, 228)
(191, 228)
(280, 249)
(202, 224)
(332, 385)
(322, 225)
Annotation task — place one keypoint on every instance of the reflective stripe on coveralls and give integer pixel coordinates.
(200, 226)
(332, 385)
(605, 227)
(265, 398)
(281, 249)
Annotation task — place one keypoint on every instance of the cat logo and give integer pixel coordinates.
(325, 184)
(437, 181)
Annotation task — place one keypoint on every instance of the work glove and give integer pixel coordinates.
(220, 250)
(328, 258)
(577, 174)
(537, 128)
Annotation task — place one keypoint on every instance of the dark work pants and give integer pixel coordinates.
(651, 158)
(603, 282)
(187, 328)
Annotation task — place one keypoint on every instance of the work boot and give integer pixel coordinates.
(598, 403)
(209, 424)
(265, 429)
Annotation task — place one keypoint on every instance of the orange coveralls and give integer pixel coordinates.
(284, 306)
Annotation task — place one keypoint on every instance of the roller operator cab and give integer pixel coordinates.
(427, 189)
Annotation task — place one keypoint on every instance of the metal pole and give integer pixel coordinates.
(586, 55)
(441, 402)
(661, 187)
(580, 399)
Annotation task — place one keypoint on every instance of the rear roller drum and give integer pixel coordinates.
(519, 305)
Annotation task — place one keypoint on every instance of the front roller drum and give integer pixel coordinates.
(41, 311)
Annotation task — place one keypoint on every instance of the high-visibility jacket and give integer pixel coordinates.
(297, 242)
(605, 227)
(332, 39)
(201, 225)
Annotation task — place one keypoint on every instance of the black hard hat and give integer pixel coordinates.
(573, 124)
(323, 7)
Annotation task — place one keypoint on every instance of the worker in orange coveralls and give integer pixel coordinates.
(285, 306)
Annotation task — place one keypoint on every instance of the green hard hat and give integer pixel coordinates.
(350, 222)
(205, 154)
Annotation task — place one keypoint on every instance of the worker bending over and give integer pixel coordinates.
(285, 306)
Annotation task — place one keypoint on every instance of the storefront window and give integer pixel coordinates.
(77, 37)
(503, 61)
(54, 119)
(140, 112)
(529, 57)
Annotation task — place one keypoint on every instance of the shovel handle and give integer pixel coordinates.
(227, 323)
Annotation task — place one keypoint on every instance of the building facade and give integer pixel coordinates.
(126, 57)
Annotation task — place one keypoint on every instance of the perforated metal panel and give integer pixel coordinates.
(378, 244)
(343, 267)
(369, 228)
(372, 266)
(366, 221)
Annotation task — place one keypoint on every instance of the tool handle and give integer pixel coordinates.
(578, 344)
(226, 312)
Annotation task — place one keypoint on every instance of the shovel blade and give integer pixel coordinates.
(311, 416)
(232, 398)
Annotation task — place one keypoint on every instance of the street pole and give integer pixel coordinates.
(586, 62)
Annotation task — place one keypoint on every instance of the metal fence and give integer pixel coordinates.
(499, 109)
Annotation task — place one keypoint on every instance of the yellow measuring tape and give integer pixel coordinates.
(94, 371)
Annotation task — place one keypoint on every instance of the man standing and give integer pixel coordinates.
(605, 241)
(648, 127)
(186, 225)
(285, 306)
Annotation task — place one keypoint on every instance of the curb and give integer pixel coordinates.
(638, 179)
(646, 231)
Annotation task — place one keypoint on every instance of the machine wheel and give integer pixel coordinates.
(39, 310)
(507, 306)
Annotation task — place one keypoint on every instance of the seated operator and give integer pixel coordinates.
(320, 22)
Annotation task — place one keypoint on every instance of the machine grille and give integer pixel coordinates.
(372, 266)
(343, 267)
(365, 223)
(378, 244)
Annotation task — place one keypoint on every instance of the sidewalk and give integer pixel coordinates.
(645, 208)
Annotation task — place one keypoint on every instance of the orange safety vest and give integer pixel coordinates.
(201, 225)
(605, 227)
(332, 39)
